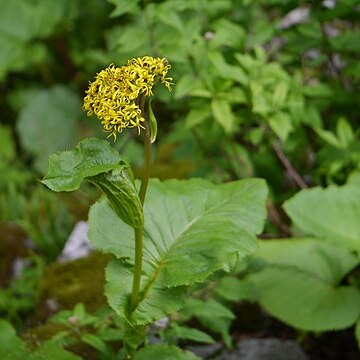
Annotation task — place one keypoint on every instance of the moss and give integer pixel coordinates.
(39, 334)
(166, 166)
(35, 336)
(12, 246)
(66, 284)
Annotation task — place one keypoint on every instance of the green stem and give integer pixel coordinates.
(138, 231)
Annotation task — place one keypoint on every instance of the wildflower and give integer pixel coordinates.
(115, 94)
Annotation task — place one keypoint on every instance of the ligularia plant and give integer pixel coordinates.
(184, 231)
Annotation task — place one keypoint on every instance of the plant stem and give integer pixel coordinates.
(288, 166)
(139, 231)
(137, 268)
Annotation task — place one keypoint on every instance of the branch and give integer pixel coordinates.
(288, 166)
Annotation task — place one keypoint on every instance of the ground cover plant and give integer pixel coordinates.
(262, 91)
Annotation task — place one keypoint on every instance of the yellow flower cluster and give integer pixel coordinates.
(115, 94)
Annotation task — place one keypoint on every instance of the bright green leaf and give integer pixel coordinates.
(123, 7)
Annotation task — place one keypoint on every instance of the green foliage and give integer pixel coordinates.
(253, 96)
(212, 314)
(12, 348)
(20, 297)
(186, 224)
(47, 222)
(95, 330)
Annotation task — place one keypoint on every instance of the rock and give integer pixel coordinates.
(78, 244)
(265, 349)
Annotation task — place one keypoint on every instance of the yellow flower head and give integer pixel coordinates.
(114, 95)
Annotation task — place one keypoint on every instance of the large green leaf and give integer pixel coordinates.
(300, 284)
(326, 261)
(332, 213)
(96, 161)
(192, 228)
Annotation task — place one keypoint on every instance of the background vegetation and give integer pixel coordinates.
(266, 88)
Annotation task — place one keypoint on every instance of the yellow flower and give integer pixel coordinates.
(114, 95)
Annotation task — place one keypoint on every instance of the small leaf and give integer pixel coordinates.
(96, 343)
(344, 132)
(153, 124)
(164, 352)
(212, 315)
(223, 114)
(280, 93)
(329, 137)
(67, 169)
(281, 124)
(226, 70)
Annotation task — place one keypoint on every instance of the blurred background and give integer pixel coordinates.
(266, 88)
